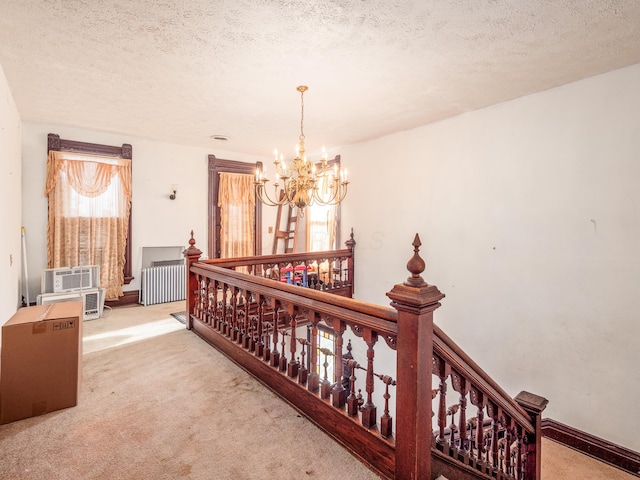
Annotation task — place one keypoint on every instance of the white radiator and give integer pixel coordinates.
(162, 284)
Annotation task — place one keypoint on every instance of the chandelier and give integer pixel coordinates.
(302, 183)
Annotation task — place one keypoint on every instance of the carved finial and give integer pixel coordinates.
(415, 265)
(351, 242)
(192, 250)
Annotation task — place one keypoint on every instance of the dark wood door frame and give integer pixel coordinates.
(217, 165)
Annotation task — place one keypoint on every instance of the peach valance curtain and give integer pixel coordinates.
(236, 199)
(89, 203)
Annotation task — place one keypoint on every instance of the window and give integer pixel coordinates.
(89, 198)
(217, 167)
(236, 200)
(326, 339)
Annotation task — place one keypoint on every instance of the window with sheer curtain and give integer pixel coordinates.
(89, 204)
(236, 199)
(321, 223)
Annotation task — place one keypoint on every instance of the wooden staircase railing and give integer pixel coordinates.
(380, 403)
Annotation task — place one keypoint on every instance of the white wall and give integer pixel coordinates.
(529, 214)
(10, 213)
(157, 220)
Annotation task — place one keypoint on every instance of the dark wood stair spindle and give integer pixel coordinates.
(294, 365)
(386, 421)
(461, 385)
(452, 410)
(313, 382)
(234, 312)
(494, 435)
(369, 409)
(325, 385)
(338, 393)
(224, 319)
(275, 355)
(267, 326)
(259, 339)
(302, 371)
(283, 358)
(246, 338)
(442, 405)
(352, 401)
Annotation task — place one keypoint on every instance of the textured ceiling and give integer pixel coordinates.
(181, 71)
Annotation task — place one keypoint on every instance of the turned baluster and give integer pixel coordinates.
(452, 410)
(325, 385)
(442, 404)
(275, 355)
(214, 304)
(313, 382)
(302, 371)
(259, 345)
(205, 301)
(292, 369)
(197, 309)
(222, 326)
(233, 327)
(338, 393)
(247, 321)
(480, 428)
(494, 435)
(519, 452)
(462, 421)
(267, 342)
(369, 410)
(471, 425)
(386, 421)
(352, 400)
(346, 370)
(507, 450)
(283, 359)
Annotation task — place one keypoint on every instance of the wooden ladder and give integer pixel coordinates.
(289, 235)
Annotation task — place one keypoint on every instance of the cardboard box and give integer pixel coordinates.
(41, 365)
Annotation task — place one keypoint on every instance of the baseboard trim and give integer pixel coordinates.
(129, 298)
(595, 447)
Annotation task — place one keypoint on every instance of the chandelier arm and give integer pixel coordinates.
(264, 197)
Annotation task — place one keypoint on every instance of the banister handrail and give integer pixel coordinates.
(236, 311)
(279, 258)
(382, 319)
(455, 356)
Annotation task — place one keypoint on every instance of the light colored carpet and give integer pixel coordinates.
(159, 403)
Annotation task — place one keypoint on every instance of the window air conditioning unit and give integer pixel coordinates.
(92, 300)
(70, 279)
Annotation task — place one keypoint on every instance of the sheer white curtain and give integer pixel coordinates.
(89, 201)
(321, 223)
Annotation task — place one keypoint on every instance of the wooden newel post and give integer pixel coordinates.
(534, 406)
(415, 301)
(351, 243)
(192, 255)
